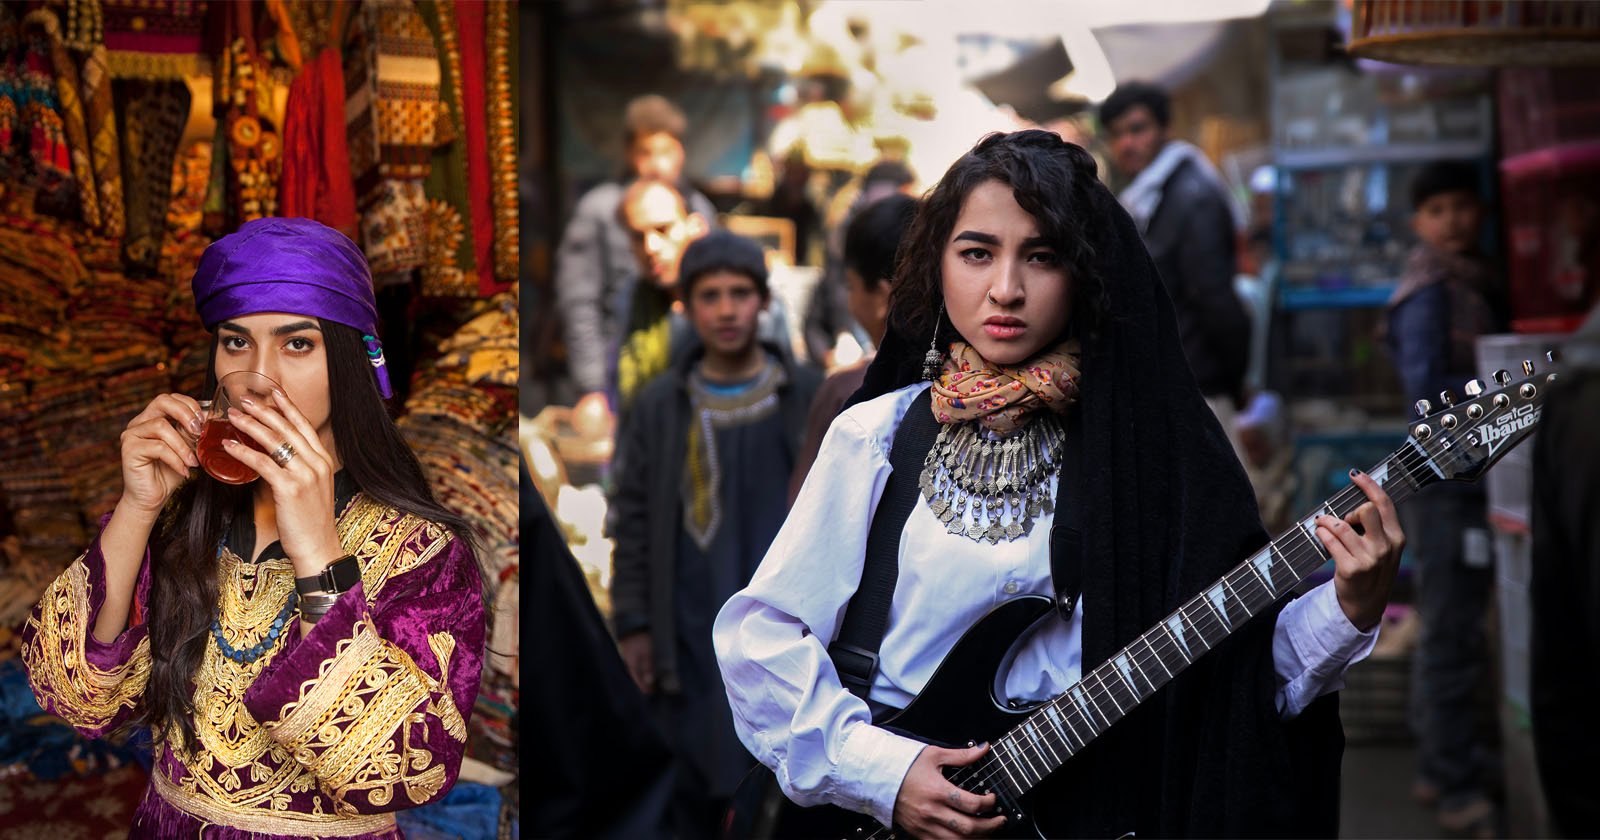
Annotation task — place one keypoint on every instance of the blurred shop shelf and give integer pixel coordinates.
(1391, 153)
(1343, 298)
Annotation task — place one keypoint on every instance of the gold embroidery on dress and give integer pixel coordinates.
(83, 694)
(380, 778)
(444, 707)
(276, 820)
(223, 725)
(389, 543)
(295, 722)
(239, 773)
(244, 773)
(344, 723)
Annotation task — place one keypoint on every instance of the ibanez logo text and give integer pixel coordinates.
(1509, 426)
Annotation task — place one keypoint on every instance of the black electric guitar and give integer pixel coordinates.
(958, 706)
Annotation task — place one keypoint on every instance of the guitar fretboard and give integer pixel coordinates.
(1066, 724)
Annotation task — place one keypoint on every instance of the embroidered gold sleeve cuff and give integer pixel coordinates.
(371, 701)
(370, 723)
(92, 686)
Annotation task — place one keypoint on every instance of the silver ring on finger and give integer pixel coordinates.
(283, 454)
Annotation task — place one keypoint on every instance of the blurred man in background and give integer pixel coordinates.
(659, 226)
(870, 244)
(596, 269)
(702, 467)
(1189, 223)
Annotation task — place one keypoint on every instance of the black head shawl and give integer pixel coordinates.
(1167, 509)
(592, 713)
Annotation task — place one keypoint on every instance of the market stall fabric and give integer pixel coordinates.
(460, 420)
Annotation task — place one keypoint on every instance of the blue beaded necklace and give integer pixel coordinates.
(252, 653)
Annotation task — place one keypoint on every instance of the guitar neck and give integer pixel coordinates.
(1058, 729)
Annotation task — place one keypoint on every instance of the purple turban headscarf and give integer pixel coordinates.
(291, 265)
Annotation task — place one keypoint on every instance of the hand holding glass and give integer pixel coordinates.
(213, 456)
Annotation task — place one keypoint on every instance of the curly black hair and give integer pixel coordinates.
(1051, 179)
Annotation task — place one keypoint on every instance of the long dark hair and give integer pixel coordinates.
(183, 582)
(1051, 179)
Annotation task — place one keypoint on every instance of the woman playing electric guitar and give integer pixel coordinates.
(1056, 379)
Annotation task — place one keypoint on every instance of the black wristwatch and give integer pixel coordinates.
(340, 575)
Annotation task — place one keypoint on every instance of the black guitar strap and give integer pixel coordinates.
(1066, 540)
(855, 648)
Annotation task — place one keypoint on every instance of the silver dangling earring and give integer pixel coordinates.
(932, 362)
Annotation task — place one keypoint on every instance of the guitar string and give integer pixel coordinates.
(1052, 736)
(1018, 765)
(986, 773)
(1247, 587)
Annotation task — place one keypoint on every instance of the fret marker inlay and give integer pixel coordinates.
(1215, 596)
(1127, 672)
(1175, 629)
(1083, 702)
(1262, 563)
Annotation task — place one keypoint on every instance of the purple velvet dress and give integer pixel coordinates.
(325, 735)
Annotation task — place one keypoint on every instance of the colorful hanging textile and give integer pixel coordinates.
(43, 24)
(10, 99)
(502, 72)
(243, 88)
(46, 169)
(472, 222)
(105, 156)
(472, 27)
(451, 267)
(392, 111)
(316, 163)
(153, 116)
(151, 39)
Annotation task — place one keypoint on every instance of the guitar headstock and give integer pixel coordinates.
(1464, 439)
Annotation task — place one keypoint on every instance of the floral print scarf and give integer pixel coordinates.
(1002, 398)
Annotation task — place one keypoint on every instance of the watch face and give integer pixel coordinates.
(337, 577)
(345, 572)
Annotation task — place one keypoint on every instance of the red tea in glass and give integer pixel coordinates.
(216, 460)
(231, 390)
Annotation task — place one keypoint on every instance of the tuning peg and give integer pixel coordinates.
(1423, 407)
(1446, 398)
(1552, 356)
(1527, 368)
(1502, 377)
(1473, 387)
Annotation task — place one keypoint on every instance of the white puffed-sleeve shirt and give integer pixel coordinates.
(789, 707)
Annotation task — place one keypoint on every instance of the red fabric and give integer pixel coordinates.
(316, 180)
(470, 34)
(79, 805)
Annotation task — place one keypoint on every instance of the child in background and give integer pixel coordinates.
(702, 468)
(1440, 307)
